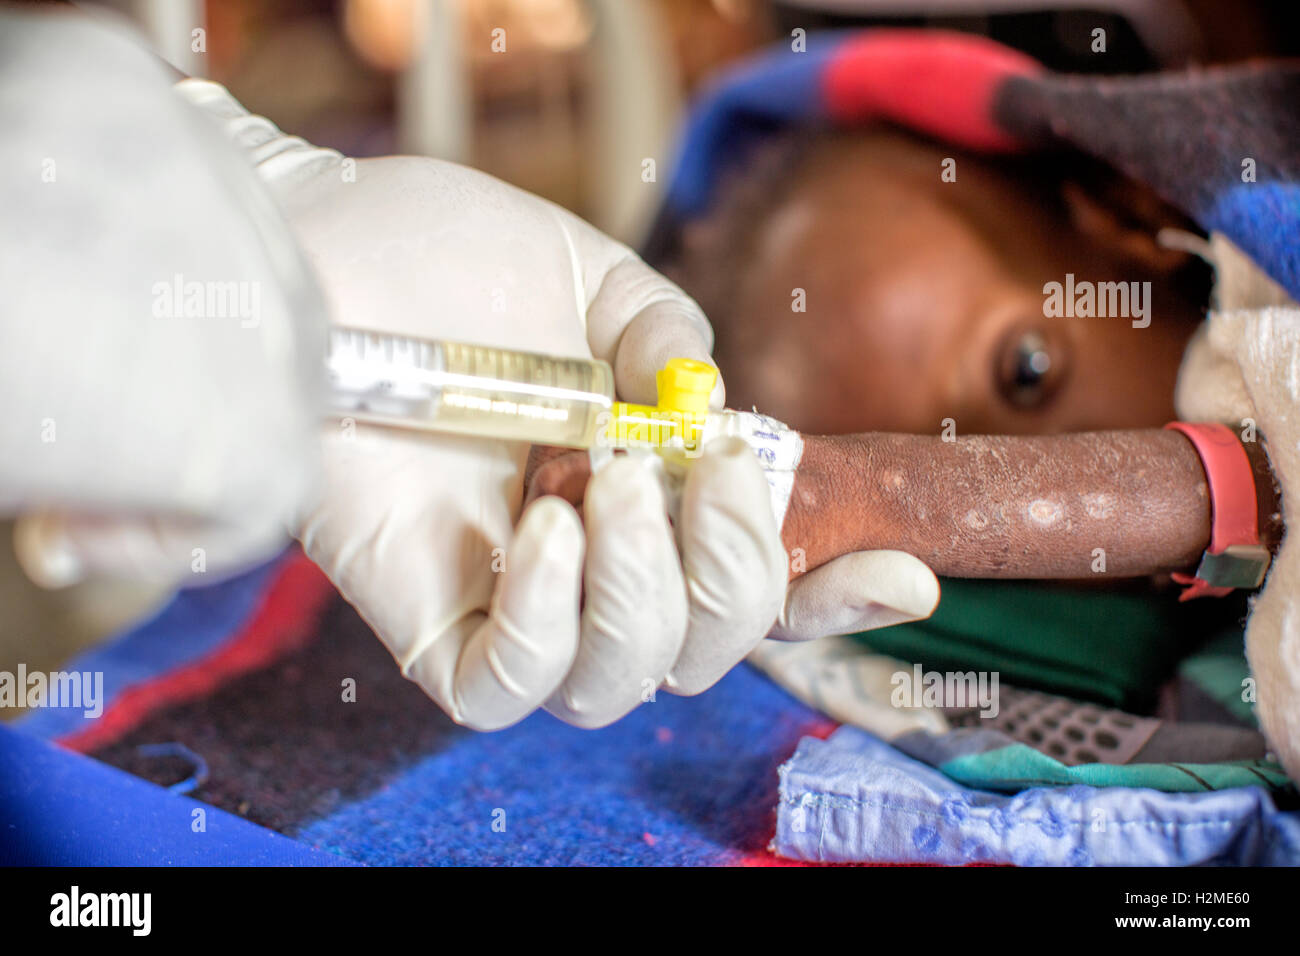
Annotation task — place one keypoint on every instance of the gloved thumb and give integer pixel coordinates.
(857, 592)
(652, 321)
(660, 333)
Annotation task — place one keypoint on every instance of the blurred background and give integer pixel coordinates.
(565, 98)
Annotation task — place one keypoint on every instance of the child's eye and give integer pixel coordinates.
(1028, 368)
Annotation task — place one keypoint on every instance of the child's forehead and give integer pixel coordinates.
(875, 208)
(892, 169)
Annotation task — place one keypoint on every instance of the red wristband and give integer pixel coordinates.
(1235, 557)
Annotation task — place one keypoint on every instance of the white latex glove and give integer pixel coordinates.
(150, 441)
(423, 535)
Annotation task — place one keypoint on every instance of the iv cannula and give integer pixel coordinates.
(409, 382)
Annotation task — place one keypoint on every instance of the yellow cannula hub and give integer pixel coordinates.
(684, 386)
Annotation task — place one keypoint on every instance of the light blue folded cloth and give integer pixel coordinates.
(854, 798)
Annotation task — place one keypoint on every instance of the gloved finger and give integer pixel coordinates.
(858, 592)
(634, 620)
(734, 563)
(658, 333)
(638, 319)
(58, 549)
(490, 671)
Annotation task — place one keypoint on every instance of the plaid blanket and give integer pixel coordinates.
(265, 696)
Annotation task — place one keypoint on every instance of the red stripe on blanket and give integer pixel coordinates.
(934, 82)
(282, 623)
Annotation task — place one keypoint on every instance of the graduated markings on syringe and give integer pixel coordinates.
(506, 394)
(399, 365)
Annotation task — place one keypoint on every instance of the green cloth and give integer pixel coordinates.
(1012, 768)
(1114, 646)
(1219, 669)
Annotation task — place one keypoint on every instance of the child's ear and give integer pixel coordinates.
(1126, 217)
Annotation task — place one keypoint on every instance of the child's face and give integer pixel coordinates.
(925, 301)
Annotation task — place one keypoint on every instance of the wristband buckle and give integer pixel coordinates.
(1236, 566)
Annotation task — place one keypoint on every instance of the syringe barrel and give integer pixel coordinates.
(469, 389)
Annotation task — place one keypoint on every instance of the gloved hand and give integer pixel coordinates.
(479, 604)
(160, 332)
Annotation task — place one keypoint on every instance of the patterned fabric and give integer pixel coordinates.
(854, 798)
(1016, 738)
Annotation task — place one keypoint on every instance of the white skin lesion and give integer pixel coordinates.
(1045, 512)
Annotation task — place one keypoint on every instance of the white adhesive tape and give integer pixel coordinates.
(778, 448)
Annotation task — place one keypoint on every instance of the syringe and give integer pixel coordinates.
(490, 392)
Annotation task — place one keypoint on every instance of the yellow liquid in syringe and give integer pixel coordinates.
(501, 393)
(468, 389)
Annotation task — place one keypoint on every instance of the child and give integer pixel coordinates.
(872, 282)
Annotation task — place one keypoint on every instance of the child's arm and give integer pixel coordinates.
(999, 506)
(1005, 507)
